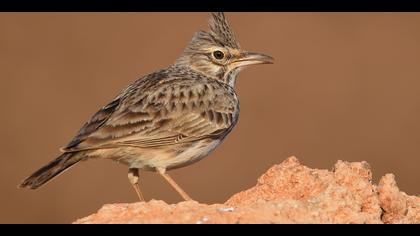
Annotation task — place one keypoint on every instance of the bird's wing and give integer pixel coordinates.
(161, 113)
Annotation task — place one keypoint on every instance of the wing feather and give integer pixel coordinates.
(162, 113)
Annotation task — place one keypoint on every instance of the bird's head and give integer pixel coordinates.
(216, 53)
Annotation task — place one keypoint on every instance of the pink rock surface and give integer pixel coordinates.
(286, 193)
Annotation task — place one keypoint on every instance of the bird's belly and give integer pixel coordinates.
(168, 157)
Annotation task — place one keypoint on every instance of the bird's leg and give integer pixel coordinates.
(133, 177)
(168, 178)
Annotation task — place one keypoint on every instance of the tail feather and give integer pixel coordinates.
(51, 170)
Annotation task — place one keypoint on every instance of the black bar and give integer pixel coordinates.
(209, 5)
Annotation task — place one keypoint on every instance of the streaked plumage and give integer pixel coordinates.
(167, 119)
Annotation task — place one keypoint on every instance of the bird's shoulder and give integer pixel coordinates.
(160, 108)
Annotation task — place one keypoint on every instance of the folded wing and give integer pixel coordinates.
(165, 113)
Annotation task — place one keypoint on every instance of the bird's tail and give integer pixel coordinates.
(49, 171)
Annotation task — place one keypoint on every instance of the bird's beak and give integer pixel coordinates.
(252, 58)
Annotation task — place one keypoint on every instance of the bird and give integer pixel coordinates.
(168, 119)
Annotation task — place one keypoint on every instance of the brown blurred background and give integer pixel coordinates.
(343, 86)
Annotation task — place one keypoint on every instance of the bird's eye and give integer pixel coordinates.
(218, 55)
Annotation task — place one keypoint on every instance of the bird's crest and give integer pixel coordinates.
(221, 30)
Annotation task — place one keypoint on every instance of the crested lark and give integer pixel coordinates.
(167, 119)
